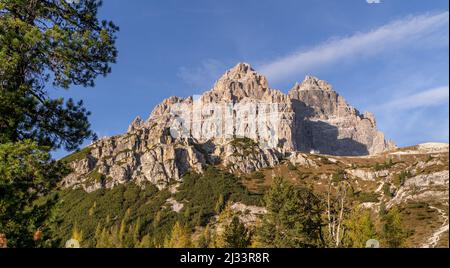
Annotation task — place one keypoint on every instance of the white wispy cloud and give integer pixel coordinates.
(414, 118)
(427, 98)
(395, 34)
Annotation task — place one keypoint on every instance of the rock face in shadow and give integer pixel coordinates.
(324, 122)
(186, 134)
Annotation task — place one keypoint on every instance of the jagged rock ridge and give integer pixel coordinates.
(312, 116)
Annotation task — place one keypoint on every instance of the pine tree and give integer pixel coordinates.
(179, 237)
(43, 43)
(223, 220)
(122, 231)
(157, 219)
(136, 231)
(97, 234)
(293, 217)
(92, 209)
(198, 218)
(114, 238)
(219, 204)
(359, 228)
(393, 234)
(383, 210)
(77, 234)
(205, 239)
(236, 235)
(103, 240)
(128, 238)
(27, 173)
(145, 242)
(187, 213)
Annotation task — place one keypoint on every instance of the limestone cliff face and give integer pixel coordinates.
(325, 122)
(241, 124)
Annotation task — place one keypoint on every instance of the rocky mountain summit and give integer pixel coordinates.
(240, 124)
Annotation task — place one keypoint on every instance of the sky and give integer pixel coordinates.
(389, 57)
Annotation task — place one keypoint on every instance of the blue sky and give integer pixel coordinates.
(390, 58)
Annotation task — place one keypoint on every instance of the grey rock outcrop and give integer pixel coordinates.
(301, 159)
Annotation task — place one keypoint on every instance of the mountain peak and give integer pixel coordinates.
(240, 71)
(241, 81)
(242, 67)
(313, 83)
(136, 124)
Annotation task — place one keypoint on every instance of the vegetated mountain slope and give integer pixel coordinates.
(413, 179)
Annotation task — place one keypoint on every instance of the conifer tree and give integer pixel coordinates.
(43, 42)
(145, 242)
(236, 235)
(359, 228)
(77, 234)
(157, 219)
(179, 237)
(219, 204)
(198, 218)
(103, 240)
(97, 233)
(222, 221)
(27, 173)
(187, 213)
(136, 231)
(382, 213)
(205, 238)
(392, 233)
(50, 41)
(293, 217)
